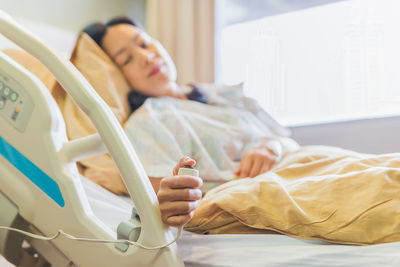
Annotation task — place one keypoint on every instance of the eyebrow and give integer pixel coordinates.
(123, 48)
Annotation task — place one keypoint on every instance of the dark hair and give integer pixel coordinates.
(136, 99)
(97, 30)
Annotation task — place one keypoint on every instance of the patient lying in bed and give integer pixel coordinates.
(217, 126)
(310, 192)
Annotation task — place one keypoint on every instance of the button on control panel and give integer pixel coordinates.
(14, 96)
(16, 105)
(6, 91)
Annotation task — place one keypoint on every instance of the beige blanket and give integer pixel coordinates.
(316, 192)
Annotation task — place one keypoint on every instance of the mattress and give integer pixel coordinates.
(248, 250)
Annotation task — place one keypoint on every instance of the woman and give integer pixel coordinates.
(150, 73)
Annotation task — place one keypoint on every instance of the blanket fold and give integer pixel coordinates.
(316, 192)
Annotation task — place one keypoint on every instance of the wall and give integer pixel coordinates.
(73, 14)
(327, 63)
(380, 135)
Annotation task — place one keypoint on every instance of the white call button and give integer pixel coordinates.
(6, 91)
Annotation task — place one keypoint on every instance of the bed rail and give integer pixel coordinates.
(153, 231)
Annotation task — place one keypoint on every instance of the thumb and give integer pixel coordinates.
(185, 161)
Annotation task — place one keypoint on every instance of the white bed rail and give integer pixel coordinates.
(153, 232)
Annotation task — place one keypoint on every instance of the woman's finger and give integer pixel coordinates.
(186, 194)
(237, 172)
(256, 168)
(265, 167)
(177, 208)
(184, 161)
(240, 168)
(247, 164)
(182, 181)
(178, 220)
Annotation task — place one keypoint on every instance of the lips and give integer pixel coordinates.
(155, 70)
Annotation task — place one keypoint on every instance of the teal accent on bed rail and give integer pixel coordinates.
(31, 171)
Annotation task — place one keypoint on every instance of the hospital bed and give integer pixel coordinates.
(41, 191)
(40, 186)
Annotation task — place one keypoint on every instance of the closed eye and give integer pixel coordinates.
(144, 45)
(127, 60)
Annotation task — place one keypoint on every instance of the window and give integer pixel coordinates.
(315, 62)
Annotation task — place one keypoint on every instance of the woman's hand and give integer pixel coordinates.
(260, 159)
(179, 195)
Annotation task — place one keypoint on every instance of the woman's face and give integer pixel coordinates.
(140, 59)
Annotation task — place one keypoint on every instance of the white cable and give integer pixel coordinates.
(61, 232)
(182, 171)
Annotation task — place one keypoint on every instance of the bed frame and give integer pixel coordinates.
(40, 188)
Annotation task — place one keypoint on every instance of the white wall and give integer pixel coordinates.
(73, 14)
(57, 22)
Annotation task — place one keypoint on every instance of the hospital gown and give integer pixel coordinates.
(216, 134)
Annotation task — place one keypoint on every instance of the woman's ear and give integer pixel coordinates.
(168, 60)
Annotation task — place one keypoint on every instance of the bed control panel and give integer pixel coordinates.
(16, 105)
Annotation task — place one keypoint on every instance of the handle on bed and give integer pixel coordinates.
(154, 232)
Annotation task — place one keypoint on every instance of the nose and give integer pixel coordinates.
(150, 57)
(147, 57)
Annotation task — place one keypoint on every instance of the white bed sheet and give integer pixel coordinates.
(249, 250)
